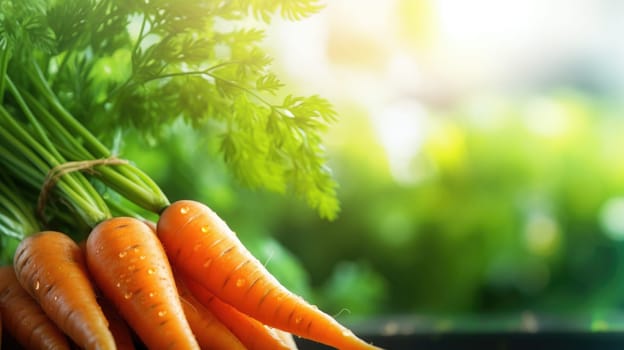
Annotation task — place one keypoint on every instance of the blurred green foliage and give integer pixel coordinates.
(517, 204)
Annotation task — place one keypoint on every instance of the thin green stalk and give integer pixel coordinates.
(91, 142)
(82, 187)
(41, 134)
(58, 132)
(53, 127)
(77, 190)
(20, 167)
(4, 64)
(141, 189)
(84, 208)
(17, 219)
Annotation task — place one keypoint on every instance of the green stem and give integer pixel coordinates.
(17, 219)
(4, 64)
(31, 118)
(78, 191)
(78, 183)
(20, 167)
(92, 143)
(128, 180)
(84, 208)
(58, 132)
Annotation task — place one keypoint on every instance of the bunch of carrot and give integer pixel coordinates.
(185, 283)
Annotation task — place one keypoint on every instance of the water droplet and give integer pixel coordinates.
(207, 263)
(55, 298)
(151, 294)
(347, 333)
(136, 250)
(150, 271)
(240, 282)
(127, 295)
(162, 313)
(197, 247)
(184, 210)
(37, 285)
(131, 267)
(123, 254)
(205, 229)
(118, 284)
(298, 319)
(142, 257)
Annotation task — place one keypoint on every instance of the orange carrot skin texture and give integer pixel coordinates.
(51, 267)
(252, 333)
(117, 325)
(130, 267)
(203, 247)
(24, 318)
(208, 329)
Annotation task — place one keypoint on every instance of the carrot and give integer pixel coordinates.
(208, 329)
(129, 265)
(203, 247)
(117, 325)
(24, 319)
(287, 338)
(253, 334)
(51, 267)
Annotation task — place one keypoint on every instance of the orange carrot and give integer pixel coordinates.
(128, 264)
(203, 247)
(51, 267)
(287, 338)
(251, 332)
(24, 319)
(117, 325)
(208, 329)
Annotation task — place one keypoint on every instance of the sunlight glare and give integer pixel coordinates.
(401, 128)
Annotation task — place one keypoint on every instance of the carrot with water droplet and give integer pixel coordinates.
(51, 268)
(253, 334)
(201, 246)
(24, 319)
(129, 265)
(116, 324)
(208, 329)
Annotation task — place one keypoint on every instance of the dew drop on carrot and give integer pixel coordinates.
(150, 271)
(298, 320)
(142, 257)
(123, 254)
(205, 229)
(207, 263)
(127, 295)
(131, 267)
(162, 313)
(151, 294)
(118, 284)
(240, 282)
(184, 210)
(37, 285)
